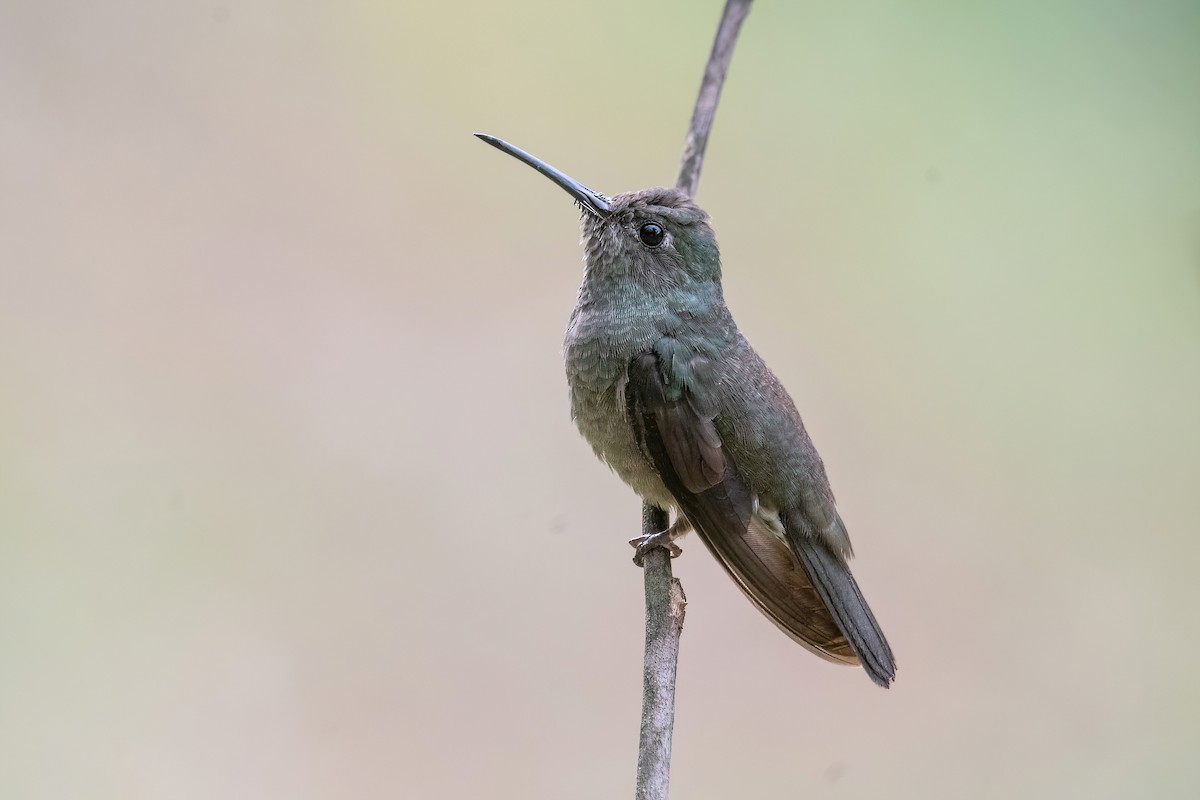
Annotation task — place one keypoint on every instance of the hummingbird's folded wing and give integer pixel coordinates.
(672, 417)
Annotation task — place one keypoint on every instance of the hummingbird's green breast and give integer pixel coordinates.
(602, 338)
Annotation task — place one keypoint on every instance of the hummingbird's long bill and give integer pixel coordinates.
(590, 200)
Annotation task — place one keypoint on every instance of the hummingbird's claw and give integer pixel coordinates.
(647, 542)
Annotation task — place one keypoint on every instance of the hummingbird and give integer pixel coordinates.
(668, 392)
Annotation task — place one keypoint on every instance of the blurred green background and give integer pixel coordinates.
(290, 502)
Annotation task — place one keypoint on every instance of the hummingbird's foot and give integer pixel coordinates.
(647, 542)
(665, 539)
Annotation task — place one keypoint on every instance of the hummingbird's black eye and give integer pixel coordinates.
(651, 234)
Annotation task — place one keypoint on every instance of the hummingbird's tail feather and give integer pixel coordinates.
(840, 594)
(764, 568)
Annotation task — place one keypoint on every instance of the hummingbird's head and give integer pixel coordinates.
(657, 238)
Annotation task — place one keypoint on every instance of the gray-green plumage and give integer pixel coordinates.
(670, 394)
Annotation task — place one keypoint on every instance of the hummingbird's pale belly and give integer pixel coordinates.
(597, 376)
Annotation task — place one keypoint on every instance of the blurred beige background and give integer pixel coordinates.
(290, 503)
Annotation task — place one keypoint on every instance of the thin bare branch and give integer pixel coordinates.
(665, 601)
(710, 93)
